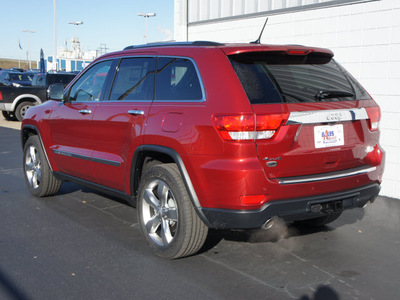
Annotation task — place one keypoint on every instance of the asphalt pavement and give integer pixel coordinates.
(81, 244)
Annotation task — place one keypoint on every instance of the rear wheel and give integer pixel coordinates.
(166, 214)
(21, 110)
(8, 115)
(39, 178)
(320, 221)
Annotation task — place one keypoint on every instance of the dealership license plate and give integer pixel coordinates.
(328, 136)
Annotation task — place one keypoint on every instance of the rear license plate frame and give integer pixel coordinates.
(326, 136)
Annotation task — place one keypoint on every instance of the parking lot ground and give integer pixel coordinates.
(81, 244)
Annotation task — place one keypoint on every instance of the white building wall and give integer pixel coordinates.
(365, 38)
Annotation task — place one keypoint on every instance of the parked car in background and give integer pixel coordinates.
(16, 69)
(207, 135)
(46, 79)
(15, 101)
(17, 79)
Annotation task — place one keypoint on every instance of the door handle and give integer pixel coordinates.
(136, 112)
(85, 111)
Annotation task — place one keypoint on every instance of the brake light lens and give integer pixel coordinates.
(374, 115)
(248, 127)
(298, 51)
(1, 96)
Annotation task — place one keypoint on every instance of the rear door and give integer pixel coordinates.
(119, 122)
(71, 123)
(309, 113)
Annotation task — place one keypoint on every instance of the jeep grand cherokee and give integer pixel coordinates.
(206, 135)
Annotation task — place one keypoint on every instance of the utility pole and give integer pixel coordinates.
(103, 49)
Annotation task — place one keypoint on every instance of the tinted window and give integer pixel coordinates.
(39, 80)
(134, 80)
(278, 78)
(90, 85)
(60, 78)
(177, 79)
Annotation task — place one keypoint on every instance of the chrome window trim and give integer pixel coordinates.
(141, 55)
(327, 116)
(326, 176)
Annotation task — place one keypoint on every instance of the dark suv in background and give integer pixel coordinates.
(207, 135)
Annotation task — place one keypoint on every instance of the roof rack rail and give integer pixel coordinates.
(171, 44)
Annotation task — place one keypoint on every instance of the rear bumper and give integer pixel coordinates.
(289, 210)
(6, 106)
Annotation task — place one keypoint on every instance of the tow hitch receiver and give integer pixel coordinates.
(328, 207)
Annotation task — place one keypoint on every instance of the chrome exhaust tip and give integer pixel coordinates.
(269, 223)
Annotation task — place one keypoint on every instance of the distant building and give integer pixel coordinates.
(70, 59)
(363, 34)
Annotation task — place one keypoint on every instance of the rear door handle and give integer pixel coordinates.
(85, 111)
(136, 112)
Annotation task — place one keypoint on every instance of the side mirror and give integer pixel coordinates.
(56, 92)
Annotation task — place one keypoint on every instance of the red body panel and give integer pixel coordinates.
(221, 171)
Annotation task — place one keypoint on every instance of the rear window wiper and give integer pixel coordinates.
(325, 94)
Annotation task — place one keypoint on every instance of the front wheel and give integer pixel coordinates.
(39, 178)
(166, 214)
(21, 110)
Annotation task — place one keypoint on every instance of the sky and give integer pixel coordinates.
(111, 22)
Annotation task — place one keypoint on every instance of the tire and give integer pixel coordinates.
(8, 115)
(166, 215)
(39, 178)
(22, 109)
(320, 221)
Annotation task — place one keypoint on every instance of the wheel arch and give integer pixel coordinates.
(159, 155)
(25, 97)
(29, 130)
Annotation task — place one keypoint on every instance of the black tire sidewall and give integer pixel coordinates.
(182, 201)
(18, 111)
(43, 186)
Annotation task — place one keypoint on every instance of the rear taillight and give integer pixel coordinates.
(374, 115)
(248, 127)
(1, 96)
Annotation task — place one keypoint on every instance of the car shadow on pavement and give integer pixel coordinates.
(11, 288)
(280, 230)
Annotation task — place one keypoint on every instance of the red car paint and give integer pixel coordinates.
(243, 175)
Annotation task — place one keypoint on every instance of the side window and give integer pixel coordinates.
(177, 79)
(90, 85)
(134, 79)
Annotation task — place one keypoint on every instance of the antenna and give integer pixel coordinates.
(258, 41)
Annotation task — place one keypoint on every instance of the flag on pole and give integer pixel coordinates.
(19, 44)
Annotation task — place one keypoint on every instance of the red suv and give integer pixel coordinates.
(206, 135)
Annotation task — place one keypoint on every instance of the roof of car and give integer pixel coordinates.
(227, 48)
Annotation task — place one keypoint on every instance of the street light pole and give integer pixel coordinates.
(29, 44)
(55, 36)
(75, 40)
(146, 15)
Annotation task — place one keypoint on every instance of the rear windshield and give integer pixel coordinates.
(60, 78)
(281, 78)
